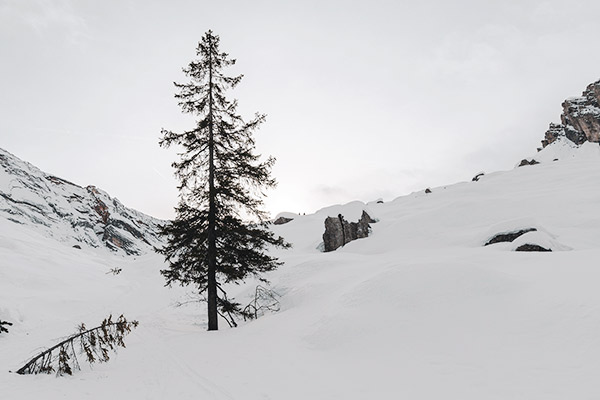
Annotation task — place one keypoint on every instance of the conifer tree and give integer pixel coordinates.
(221, 181)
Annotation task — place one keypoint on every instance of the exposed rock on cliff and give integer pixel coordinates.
(532, 247)
(71, 213)
(508, 236)
(580, 118)
(338, 231)
(525, 162)
(282, 220)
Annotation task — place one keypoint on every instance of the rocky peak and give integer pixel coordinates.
(70, 213)
(580, 119)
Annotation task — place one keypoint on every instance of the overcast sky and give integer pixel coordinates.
(364, 99)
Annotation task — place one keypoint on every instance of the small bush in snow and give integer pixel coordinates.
(3, 325)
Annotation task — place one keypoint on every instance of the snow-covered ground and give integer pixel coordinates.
(419, 310)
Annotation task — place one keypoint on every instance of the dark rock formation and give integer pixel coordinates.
(558, 130)
(527, 162)
(282, 220)
(338, 231)
(335, 235)
(427, 190)
(476, 177)
(366, 217)
(531, 247)
(580, 119)
(508, 236)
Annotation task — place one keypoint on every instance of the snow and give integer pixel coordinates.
(564, 149)
(418, 310)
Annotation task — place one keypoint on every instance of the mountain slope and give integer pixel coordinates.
(70, 213)
(420, 309)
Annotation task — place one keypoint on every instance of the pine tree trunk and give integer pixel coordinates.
(213, 323)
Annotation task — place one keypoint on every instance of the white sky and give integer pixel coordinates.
(364, 99)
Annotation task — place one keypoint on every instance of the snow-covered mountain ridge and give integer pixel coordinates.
(470, 213)
(421, 309)
(79, 216)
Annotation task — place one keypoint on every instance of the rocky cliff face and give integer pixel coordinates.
(339, 232)
(80, 216)
(580, 119)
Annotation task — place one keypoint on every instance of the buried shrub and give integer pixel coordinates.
(94, 344)
(3, 325)
(264, 300)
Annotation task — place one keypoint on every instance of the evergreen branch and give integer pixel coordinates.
(94, 344)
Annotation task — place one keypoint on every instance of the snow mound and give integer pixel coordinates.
(562, 149)
(539, 238)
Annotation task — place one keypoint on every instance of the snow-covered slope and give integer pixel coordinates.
(421, 309)
(70, 213)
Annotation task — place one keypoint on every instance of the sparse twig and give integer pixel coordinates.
(224, 311)
(264, 300)
(114, 271)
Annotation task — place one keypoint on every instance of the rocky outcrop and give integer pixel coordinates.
(71, 213)
(558, 130)
(508, 236)
(477, 177)
(580, 119)
(282, 220)
(338, 231)
(532, 247)
(525, 162)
